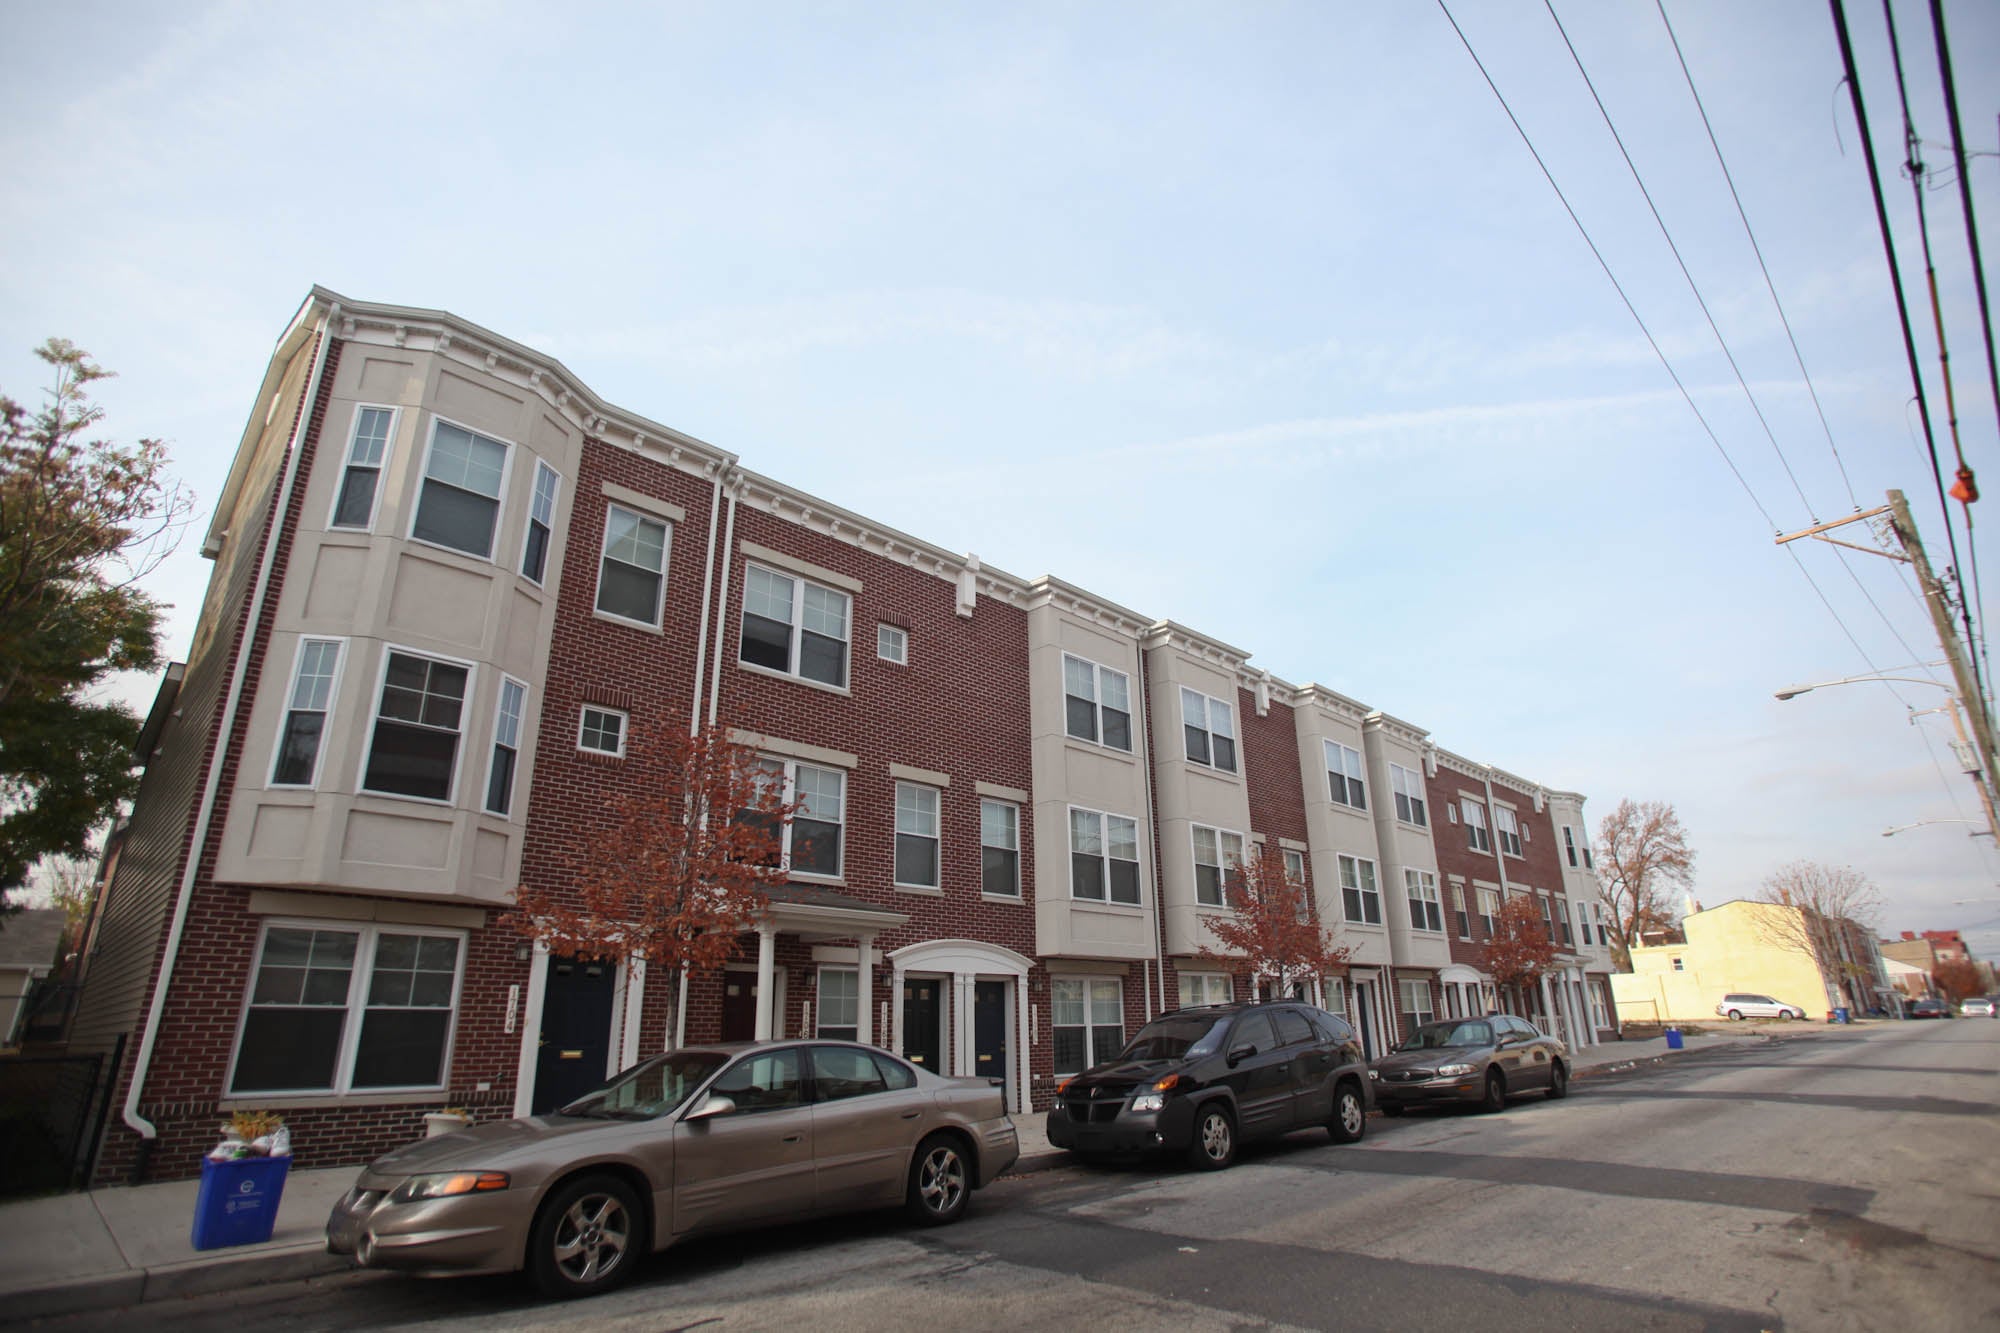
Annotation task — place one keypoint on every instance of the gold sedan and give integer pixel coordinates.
(707, 1139)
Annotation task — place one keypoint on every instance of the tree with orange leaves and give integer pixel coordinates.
(679, 869)
(1520, 951)
(1957, 978)
(1273, 929)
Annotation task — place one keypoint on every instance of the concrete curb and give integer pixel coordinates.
(196, 1277)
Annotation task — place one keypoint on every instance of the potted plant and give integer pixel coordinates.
(446, 1120)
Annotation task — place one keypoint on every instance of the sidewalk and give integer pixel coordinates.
(127, 1245)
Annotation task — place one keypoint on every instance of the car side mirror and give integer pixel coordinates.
(713, 1105)
(1241, 1053)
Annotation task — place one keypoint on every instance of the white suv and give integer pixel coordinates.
(1757, 1006)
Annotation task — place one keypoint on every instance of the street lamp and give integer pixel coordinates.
(1794, 691)
(1976, 833)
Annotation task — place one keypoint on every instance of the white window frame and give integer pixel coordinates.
(1507, 830)
(546, 521)
(1091, 993)
(795, 627)
(1013, 847)
(1420, 889)
(375, 717)
(820, 1025)
(605, 557)
(935, 837)
(1337, 766)
(1408, 787)
(1217, 720)
(1335, 995)
(513, 745)
(1295, 865)
(1476, 836)
(291, 706)
(1098, 671)
(1489, 898)
(347, 464)
(1563, 926)
(356, 1007)
(790, 768)
(624, 729)
(1461, 914)
(892, 643)
(1200, 989)
(1600, 1018)
(1405, 988)
(1363, 895)
(1569, 845)
(1103, 820)
(1225, 868)
(499, 498)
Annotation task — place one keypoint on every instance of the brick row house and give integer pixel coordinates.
(458, 599)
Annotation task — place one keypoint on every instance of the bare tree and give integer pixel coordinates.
(1827, 899)
(1642, 856)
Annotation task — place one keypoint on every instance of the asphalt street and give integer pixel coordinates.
(1831, 1180)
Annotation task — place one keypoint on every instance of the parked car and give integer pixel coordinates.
(705, 1139)
(1201, 1081)
(1745, 1005)
(1928, 1007)
(1471, 1060)
(1979, 1006)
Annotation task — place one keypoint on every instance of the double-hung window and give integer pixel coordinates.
(1103, 857)
(506, 746)
(361, 478)
(1600, 1017)
(1295, 865)
(1209, 731)
(633, 573)
(1562, 920)
(1548, 918)
(1199, 988)
(916, 836)
(418, 718)
(1000, 849)
(793, 626)
(347, 1008)
(1343, 775)
(1416, 998)
(1476, 836)
(1426, 911)
(296, 763)
(460, 500)
(1097, 703)
(1218, 861)
(1409, 789)
(1569, 845)
(1489, 910)
(1360, 900)
(1458, 911)
(812, 839)
(1509, 830)
(1088, 1015)
(541, 523)
(839, 1003)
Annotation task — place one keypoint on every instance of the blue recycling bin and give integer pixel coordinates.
(1841, 1015)
(1674, 1039)
(238, 1202)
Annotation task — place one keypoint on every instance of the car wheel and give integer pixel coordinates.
(1350, 1115)
(588, 1238)
(1784, 1015)
(1496, 1092)
(1736, 1015)
(1214, 1145)
(1558, 1082)
(939, 1181)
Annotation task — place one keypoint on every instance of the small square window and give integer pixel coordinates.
(602, 732)
(892, 644)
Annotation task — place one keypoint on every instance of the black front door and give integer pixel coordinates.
(739, 1006)
(920, 1024)
(989, 1030)
(576, 1031)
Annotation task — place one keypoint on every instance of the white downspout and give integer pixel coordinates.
(205, 812)
(707, 594)
(721, 606)
(1153, 841)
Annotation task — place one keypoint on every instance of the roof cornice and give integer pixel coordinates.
(1048, 590)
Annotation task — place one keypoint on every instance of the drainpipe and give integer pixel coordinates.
(707, 593)
(1499, 856)
(722, 602)
(232, 704)
(1153, 849)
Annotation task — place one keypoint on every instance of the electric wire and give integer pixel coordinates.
(1694, 287)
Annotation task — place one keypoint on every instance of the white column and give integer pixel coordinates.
(961, 1024)
(865, 990)
(531, 1029)
(635, 1004)
(1548, 1005)
(896, 1042)
(767, 942)
(1021, 1044)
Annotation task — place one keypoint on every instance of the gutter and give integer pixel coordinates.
(232, 705)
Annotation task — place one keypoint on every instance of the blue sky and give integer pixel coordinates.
(1256, 317)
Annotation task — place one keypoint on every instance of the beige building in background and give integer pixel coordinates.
(1760, 948)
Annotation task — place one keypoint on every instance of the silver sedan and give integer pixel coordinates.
(707, 1139)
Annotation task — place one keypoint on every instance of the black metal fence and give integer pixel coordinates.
(51, 1109)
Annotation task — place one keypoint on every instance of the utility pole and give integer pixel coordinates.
(1939, 605)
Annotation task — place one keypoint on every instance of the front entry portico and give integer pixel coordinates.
(982, 991)
(817, 915)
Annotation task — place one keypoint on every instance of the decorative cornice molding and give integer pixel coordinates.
(1172, 634)
(1048, 590)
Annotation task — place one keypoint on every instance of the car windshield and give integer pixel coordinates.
(651, 1089)
(1177, 1037)
(1438, 1036)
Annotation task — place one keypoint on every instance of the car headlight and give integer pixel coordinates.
(446, 1184)
(1454, 1071)
(1149, 1101)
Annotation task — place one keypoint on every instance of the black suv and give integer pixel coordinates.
(1201, 1080)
